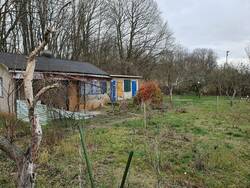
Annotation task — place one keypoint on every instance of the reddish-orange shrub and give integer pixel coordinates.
(149, 92)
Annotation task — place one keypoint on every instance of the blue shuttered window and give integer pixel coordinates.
(103, 87)
(93, 87)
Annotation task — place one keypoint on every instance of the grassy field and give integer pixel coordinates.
(197, 144)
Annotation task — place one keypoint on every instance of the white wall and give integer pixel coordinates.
(8, 87)
(126, 95)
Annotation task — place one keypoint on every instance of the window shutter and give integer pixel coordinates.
(103, 87)
(127, 85)
(94, 87)
(82, 87)
(88, 88)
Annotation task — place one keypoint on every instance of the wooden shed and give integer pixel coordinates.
(83, 85)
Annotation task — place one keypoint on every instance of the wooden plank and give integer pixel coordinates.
(73, 96)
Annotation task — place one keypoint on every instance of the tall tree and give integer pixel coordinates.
(199, 66)
(139, 31)
(170, 69)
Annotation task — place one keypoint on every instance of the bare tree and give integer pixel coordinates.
(232, 81)
(199, 66)
(25, 160)
(170, 71)
(139, 31)
(10, 15)
(120, 36)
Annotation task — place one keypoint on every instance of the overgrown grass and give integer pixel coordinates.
(208, 146)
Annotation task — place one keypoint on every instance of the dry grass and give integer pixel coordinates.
(199, 148)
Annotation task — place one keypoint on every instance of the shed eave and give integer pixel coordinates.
(66, 73)
(125, 76)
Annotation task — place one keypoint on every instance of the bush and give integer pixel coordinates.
(150, 93)
(8, 122)
(7, 117)
(11, 127)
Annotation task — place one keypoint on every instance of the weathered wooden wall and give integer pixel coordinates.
(73, 96)
(89, 102)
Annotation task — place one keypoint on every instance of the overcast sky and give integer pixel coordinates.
(218, 24)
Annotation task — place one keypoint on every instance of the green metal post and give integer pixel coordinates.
(85, 154)
(126, 169)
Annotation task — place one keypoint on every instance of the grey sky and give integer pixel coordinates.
(218, 24)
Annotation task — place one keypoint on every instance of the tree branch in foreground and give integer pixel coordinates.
(13, 151)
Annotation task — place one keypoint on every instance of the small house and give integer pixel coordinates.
(82, 85)
(124, 86)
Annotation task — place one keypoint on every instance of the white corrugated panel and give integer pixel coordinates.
(46, 114)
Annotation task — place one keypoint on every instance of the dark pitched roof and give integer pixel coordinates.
(46, 64)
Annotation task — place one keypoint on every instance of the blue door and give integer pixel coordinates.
(134, 88)
(113, 90)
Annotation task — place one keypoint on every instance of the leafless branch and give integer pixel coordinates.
(13, 152)
(44, 90)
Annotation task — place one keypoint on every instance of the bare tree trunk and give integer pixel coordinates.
(171, 96)
(232, 98)
(220, 90)
(26, 172)
(25, 159)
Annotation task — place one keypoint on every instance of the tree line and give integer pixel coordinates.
(198, 72)
(121, 37)
(125, 36)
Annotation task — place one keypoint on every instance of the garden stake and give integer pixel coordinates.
(85, 154)
(126, 169)
(145, 114)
